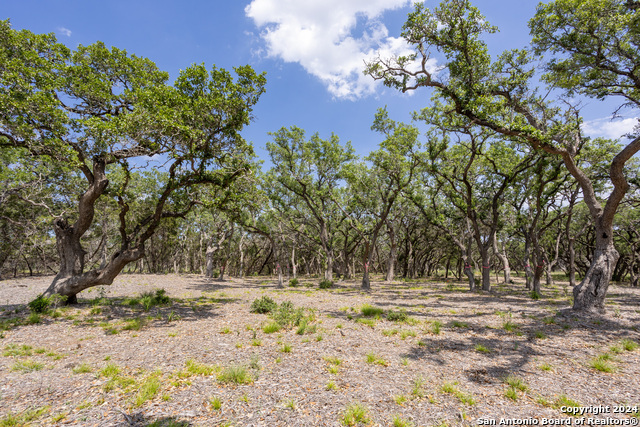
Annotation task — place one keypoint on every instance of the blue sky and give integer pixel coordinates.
(312, 51)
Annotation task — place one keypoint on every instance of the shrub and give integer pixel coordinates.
(325, 284)
(40, 304)
(288, 315)
(151, 299)
(263, 305)
(293, 282)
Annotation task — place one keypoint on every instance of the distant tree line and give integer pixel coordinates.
(107, 168)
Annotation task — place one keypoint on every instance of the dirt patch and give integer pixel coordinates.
(108, 361)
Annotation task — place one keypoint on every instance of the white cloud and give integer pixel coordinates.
(64, 31)
(607, 128)
(320, 36)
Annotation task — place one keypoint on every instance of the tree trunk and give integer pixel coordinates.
(589, 295)
(391, 261)
(502, 256)
(486, 270)
(74, 282)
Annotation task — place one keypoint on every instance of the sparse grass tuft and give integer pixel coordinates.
(27, 366)
(418, 387)
(16, 350)
(458, 324)
(602, 363)
(463, 397)
(354, 414)
(197, 368)
(399, 422)
(563, 400)
(286, 348)
(516, 383)
(371, 311)
(510, 326)
(271, 327)
(373, 359)
(236, 374)
(546, 367)
(83, 368)
(148, 390)
(397, 316)
(511, 393)
(400, 399)
(216, 403)
(436, 326)
(331, 385)
(482, 349)
(629, 345)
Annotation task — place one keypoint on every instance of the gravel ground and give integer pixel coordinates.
(109, 362)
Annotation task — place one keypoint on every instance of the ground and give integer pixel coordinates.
(203, 358)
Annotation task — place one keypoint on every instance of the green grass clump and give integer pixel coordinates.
(563, 400)
(263, 305)
(110, 371)
(510, 326)
(539, 335)
(286, 348)
(373, 359)
(371, 311)
(216, 403)
(482, 349)
(271, 327)
(197, 368)
(25, 418)
(332, 360)
(27, 366)
(331, 385)
(399, 422)
(134, 324)
(147, 391)
(418, 387)
(354, 414)
(236, 374)
(511, 393)
(436, 327)
(602, 363)
(293, 282)
(152, 298)
(82, 368)
(389, 332)
(629, 345)
(397, 316)
(404, 334)
(17, 350)
(325, 284)
(463, 397)
(400, 399)
(545, 367)
(369, 322)
(516, 383)
(458, 324)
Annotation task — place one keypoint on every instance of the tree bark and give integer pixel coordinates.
(391, 261)
(590, 294)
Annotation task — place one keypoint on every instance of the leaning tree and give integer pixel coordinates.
(596, 43)
(105, 113)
